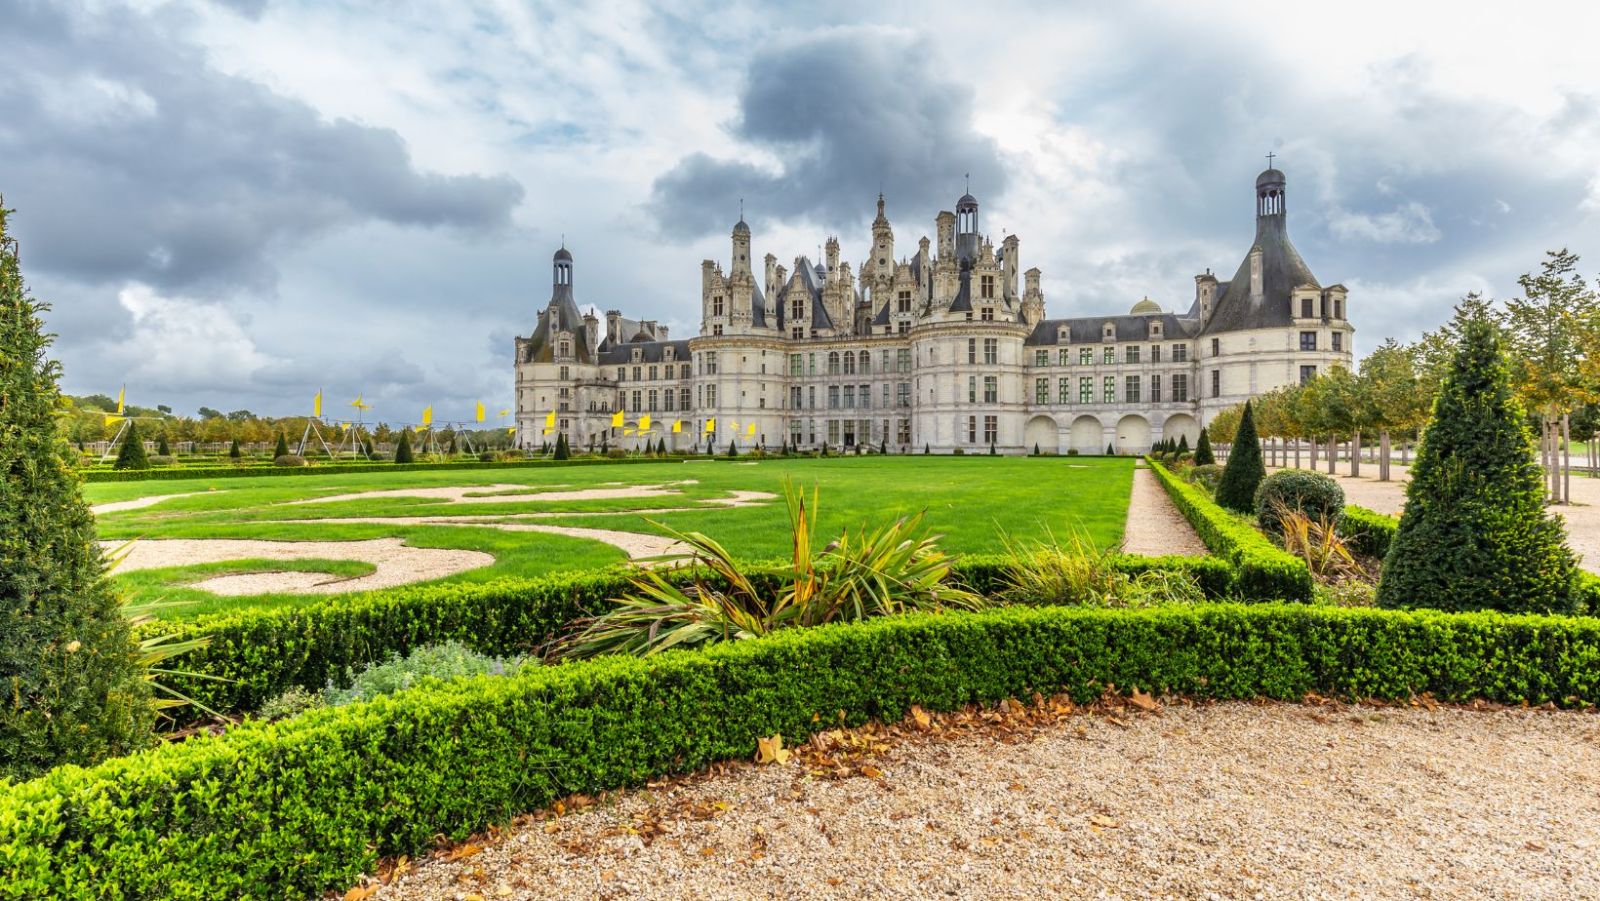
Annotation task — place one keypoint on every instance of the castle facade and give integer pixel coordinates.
(946, 348)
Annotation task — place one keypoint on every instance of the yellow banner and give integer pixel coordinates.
(711, 426)
(427, 416)
(677, 426)
(316, 405)
(616, 420)
(644, 423)
(751, 431)
(120, 395)
(480, 411)
(550, 420)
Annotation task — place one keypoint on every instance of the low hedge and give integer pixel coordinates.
(262, 653)
(1262, 570)
(293, 809)
(227, 472)
(1366, 531)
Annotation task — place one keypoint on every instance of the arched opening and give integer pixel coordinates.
(1181, 425)
(1088, 436)
(1042, 432)
(1133, 434)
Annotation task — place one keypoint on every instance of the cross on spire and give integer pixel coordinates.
(968, 177)
(741, 209)
(1269, 159)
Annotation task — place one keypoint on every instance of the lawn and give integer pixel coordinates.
(969, 501)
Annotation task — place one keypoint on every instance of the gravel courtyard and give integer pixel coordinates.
(1222, 801)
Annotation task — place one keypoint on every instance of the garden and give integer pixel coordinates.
(238, 719)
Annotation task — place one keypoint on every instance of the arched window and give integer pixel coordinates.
(865, 364)
(849, 363)
(833, 362)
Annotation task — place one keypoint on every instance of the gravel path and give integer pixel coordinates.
(1220, 801)
(138, 502)
(501, 494)
(396, 562)
(1155, 527)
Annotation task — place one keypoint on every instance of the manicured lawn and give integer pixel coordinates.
(969, 501)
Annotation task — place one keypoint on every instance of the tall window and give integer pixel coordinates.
(566, 372)
(797, 365)
(1064, 391)
(1307, 373)
(991, 351)
(811, 364)
(1155, 389)
(902, 394)
(654, 373)
(1041, 358)
(865, 362)
(849, 397)
(636, 406)
(972, 430)
(972, 389)
(1108, 393)
(903, 302)
(1109, 356)
(903, 327)
(711, 395)
(653, 400)
(1305, 308)
(795, 398)
(991, 389)
(716, 305)
(1216, 347)
(1130, 390)
(1338, 341)
(683, 371)
(849, 363)
(1338, 308)
(885, 395)
(833, 397)
(1180, 353)
(986, 289)
(1085, 356)
(866, 397)
(1041, 391)
(1216, 383)
(903, 359)
(833, 362)
(622, 373)
(902, 431)
(1155, 353)
(636, 373)
(811, 397)
(987, 314)
(1085, 390)
(1308, 340)
(1131, 354)
(1063, 357)
(1180, 387)
(972, 350)
(709, 358)
(991, 429)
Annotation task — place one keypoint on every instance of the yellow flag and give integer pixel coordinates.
(751, 431)
(677, 426)
(427, 416)
(316, 404)
(112, 419)
(360, 404)
(711, 426)
(344, 426)
(506, 412)
(120, 395)
(480, 411)
(616, 420)
(627, 431)
(550, 419)
(644, 423)
(511, 431)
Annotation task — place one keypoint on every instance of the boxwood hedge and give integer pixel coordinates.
(1262, 570)
(295, 808)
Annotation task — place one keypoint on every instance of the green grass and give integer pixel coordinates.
(969, 501)
(168, 587)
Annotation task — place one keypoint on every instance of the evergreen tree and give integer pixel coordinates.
(883, 447)
(451, 447)
(824, 448)
(234, 451)
(1183, 444)
(162, 447)
(1475, 533)
(402, 451)
(1110, 450)
(1236, 489)
(733, 448)
(927, 449)
(131, 455)
(991, 448)
(563, 452)
(1036, 449)
(282, 449)
(1202, 450)
(74, 689)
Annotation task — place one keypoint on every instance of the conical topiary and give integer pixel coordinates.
(131, 455)
(563, 451)
(733, 448)
(162, 447)
(234, 451)
(1236, 489)
(402, 451)
(1111, 451)
(1183, 444)
(282, 447)
(1202, 450)
(1475, 534)
(74, 691)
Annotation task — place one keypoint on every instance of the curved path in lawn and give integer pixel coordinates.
(396, 563)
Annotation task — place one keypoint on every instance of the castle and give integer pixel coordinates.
(943, 350)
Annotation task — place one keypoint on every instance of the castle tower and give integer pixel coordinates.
(741, 281)
(967, 230)
(882, 264)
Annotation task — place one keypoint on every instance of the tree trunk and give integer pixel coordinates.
(1383, 455)
(1333, 454)
(1297, 453)
(1566, 458)
(1313, 443)
(1355, 453)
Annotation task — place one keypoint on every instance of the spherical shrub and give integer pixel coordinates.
(1316, 495)
(289, 460)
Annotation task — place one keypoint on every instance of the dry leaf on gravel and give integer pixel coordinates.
(1143, 701)
(771, 750)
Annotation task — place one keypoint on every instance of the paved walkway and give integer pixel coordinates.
(1155, 527)
(1220, 801)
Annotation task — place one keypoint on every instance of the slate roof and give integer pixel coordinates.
(561, 315)
(1282, 269)
(1086, 329)
(651, 352)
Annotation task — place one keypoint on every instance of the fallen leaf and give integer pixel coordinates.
(771, 750)
(361, 893)
(871, 772)
(1104, 822)
(1143, 701)
(464, 852)
(921, 718)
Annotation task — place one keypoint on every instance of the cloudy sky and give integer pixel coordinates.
(233, 204)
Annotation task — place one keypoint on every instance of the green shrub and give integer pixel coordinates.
(1202, 450)
(234, 450)
(1080, 574)
(160, 460)
(1368, 532)
(426, 665)
(289, 460)
(1243, 472)
(131, 454)
(1206, 476)
(293, 809)
(1262, 570)
(161, 446)
(295, 701)
(402, 451)
(1072, 452)
(1316, 495)
(73, 691)
(1474, 533)
(281, 449)
(562, 452)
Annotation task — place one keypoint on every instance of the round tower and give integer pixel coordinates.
(1269, 193)
(967, 230)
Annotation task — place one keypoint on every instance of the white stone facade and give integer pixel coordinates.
(942, 349)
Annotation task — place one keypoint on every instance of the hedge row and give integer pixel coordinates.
(1262, 570)
(1366, 531)
(261, 653)
(295, 808)
(227, 472)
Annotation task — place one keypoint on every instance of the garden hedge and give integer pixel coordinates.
(228, 472)
(1262, 570)
(295, 808)
(262, 653)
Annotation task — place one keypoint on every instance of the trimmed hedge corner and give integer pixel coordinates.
(296, 808)
(1262, 570)
(1367, 532)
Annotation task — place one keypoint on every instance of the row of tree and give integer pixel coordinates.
(1552, 336)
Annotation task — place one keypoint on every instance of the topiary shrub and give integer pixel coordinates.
(234, 451)
(1111, 451)
(1206, 476)
(488, 456)
(1474, 534)
(289, 460)
(74, 691)
(402, 451)
(563, 450)
(1202, 450)
(1316, 495)
(131, 454)
(1242, 474)
(1072, 452)
(161, 446)
(1183, 445)
(281, 449)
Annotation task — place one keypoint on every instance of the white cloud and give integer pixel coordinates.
(181, 344)
(1409, 223)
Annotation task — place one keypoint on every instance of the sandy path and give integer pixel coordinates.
(634, 544)
(139, 502)
(1221, 801)
(1155, 527)
(472, 494)
(397, 563)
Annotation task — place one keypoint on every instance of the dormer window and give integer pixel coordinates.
(565, 349)
(1108, 332)
(1307, 306)
(988, 314)
(637, 355)
(668, 354)
(1063, 334)
(1155, 329)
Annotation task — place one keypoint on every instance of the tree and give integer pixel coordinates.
(733, 447)
(1110, 451)
(131, 455)
(1183, 444)
(74, 689)
(1236, 489)
(1475, 533)
(402, 451)
(208, 413)
(282, 447)
(1202, 450)
(562, 452)
(234, 450)
(162, 447)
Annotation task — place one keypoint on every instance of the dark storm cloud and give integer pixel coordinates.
(129, 158)
(846, 113)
